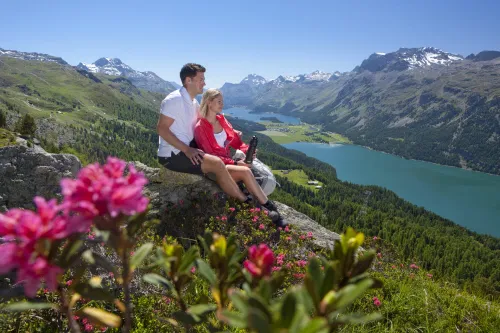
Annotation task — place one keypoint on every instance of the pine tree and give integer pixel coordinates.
(26, 125)
(3, 119)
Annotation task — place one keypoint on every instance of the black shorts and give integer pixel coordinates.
(180, 163)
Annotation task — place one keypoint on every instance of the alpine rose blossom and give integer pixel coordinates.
(260, 261)
(102, 191)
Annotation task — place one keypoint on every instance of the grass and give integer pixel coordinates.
(285, 133)
(7, 138)
(299, 177)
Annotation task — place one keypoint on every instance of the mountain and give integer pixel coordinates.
(484, 56)
(256, 92)
(407, 59)
(115, 67)
(419, 103)
(29, 56)
(253, 80)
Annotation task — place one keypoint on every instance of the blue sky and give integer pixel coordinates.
(235, 38)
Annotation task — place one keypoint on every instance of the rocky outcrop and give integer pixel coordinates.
(26, 172)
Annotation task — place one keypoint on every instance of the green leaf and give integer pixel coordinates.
(71, 249)
(201, 309)
(100, 317)
(348, 294)
(239, 301)
(93, 293)
(206, 271)
(188, 259)
(233, 319)
(158, 280)
(25, 306)
(186, 318)
(328, 281)
(316, 325)
(256, 302)
(135, 223)
(258, 321)
(140, 255)
(288, 309)
(364, 262)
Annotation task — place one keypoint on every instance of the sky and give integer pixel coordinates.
(235, 38)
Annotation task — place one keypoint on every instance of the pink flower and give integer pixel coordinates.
(105, 191)
(257, 210)
(429, 276)
(266, 212)
(232, 209)
(193, 269)
(301, 263)
(289, 265)
(111, 274)
(376, 302)
(288, 238)
(302, 237)
(379, 255)
(217, 217)
(375, 238)
(261, 227)
(85, 320)
(251, 210)
(260, 260)
(76, 317)
(287, 229)
(69, 282)
(104, 329)
(255, 219)
(309, 234)
(276, 268)
(299, 275)
(393, 267)
(224, 218)
(132, 253)
(33, 271)
(89, 328)
(413, 266)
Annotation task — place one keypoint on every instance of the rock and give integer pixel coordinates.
(28, 172)
(323, 237)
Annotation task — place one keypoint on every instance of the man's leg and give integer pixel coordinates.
(226, 182)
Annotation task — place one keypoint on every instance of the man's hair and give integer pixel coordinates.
(190, 70)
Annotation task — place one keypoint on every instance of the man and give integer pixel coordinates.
(179, 113)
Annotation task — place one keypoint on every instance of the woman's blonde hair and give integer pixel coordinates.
(208, 96)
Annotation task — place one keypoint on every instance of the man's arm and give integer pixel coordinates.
(163, 129)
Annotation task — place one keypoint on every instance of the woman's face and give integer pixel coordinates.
(217, 104)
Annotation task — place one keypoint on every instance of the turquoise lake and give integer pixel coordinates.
(471, 199)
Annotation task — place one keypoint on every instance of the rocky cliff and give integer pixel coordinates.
(26, 172)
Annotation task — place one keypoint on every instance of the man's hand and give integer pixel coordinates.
(241, 163)
(195, 155)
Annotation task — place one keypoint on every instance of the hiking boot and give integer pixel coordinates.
(276, 218)
(271, 206)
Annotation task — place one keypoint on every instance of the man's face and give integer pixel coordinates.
(195, 85)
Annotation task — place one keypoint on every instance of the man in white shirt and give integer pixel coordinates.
(178, 115)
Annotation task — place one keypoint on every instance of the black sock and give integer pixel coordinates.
(248, 200)
(266, 203)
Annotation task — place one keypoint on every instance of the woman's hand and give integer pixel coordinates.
(241, 163)
(239, 133)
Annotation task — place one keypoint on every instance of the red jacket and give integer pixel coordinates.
(205, 139)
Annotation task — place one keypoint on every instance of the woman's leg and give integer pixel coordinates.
(241, 173)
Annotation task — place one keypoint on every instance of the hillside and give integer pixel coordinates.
(422, 103)
(94, 116)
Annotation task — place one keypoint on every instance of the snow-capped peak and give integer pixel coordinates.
(254, 80)
(115, 67)
(408, 59)
(31, 56)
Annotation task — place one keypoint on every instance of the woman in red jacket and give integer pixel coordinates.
(215, 135)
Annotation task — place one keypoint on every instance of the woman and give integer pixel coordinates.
(215, 135)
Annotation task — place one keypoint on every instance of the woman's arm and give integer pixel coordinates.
(205, 139)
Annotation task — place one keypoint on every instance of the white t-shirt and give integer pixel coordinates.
(185, 111)
(221, 138)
